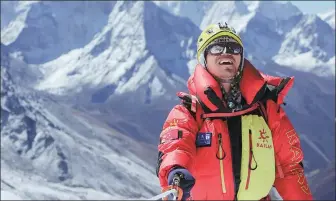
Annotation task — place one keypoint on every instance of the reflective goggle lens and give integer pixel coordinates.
(228, 48)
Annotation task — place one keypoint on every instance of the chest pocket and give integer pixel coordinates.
(258, 161)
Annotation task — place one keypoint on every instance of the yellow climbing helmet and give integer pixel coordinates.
(212, 32)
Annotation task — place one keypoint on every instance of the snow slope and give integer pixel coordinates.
(52, 151)
(13, 15)
(329, 17)
(194, 10)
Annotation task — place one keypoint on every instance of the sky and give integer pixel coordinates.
(314, 6)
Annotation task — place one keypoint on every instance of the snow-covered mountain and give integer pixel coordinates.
(141, 51)
(52, 151)
(233, 12)
(7, 9)
(13, 14)
(272, 30)
(49, 30)
(126, 37)
(309, 45)
(194, 10)
(113, 68)
(329, 17)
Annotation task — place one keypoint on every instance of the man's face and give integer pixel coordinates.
(223, 64)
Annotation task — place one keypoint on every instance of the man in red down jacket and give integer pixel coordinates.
(230, 139)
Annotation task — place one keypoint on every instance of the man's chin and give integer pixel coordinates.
(226, 79)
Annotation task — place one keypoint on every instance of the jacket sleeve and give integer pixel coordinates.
(290, 181)
(177, 142)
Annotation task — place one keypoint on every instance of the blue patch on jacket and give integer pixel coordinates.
(203, 139)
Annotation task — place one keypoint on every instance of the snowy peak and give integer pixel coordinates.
(239, 12)
(7, 12)
(309, 46)
(50, 29)
(13, 16)
(140, 44)
(10, 10)
(171, 39)
(329, 17)
(194, 10)
(264, 29)
(277, 11)
(311, 32)
(124, 29)
(232, 12)
(232, 7)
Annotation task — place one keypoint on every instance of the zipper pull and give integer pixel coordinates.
(251, 153)
(220, 148)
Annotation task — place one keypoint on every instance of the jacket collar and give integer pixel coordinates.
(252, 84)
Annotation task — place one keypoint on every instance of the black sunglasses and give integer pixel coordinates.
(228, 48)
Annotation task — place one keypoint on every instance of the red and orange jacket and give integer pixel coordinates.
(242, 155)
